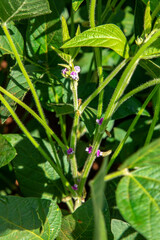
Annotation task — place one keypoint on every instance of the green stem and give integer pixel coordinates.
(92, 13)
(37, 102)
(4, 26)
(156, 10)
(136, 90)
(36, 145)
(102, 86)
(121, 144)
(116, 10)
(97, 55)
(116, 174)
(155, 118)
(121, 86)
(73, 141)
(106, 10)
(44, 124)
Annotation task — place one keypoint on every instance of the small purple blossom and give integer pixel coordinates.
(74, 75)
(99, 153)
(99, 121)
(89, 149)
(64, 71)
(75, 187)
(77, 69)
(70, 151)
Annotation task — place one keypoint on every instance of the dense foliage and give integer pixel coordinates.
(80, 84)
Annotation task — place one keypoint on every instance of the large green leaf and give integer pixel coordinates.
(138, 199)
(17, 39)
(17, 86)
(108, 36)
(76, 4)
(80, 224)
(36, 177)
(7, 152)
(20, 9)
(145, 156)
(28, 218)
(42, 33)
(98, 198)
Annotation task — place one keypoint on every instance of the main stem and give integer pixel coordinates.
(123, 82)
(73, 142)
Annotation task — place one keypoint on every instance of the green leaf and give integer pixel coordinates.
(65, 31)
(108, 36)
(89, 118)
(62, 108)
(76, 4)
(17, 39)
(122, 230)
(80, 224)
(36, 177)
(17, 86)
(138, 200)
(42, 33)
(148, 155)
(7, 152)
(66, 57)
(98, 198)
(28, 218)
(147, 20)
(20, 9)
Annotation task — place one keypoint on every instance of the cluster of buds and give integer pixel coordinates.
(73, 75)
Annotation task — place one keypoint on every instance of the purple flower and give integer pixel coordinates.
(99, 121)
(75, 187)
(74, 75)
(64, 71)
(70, 151)
(99, 153)
(89, 149)
(77, 69)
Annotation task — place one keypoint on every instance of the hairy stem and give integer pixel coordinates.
(37, 146)
(27, 108)
(121, 86)
(121, 144)
(155, 118)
